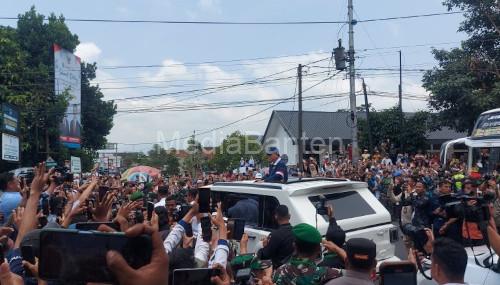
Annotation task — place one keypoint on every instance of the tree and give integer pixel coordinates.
(172, 163)
(466, 80)
(385, 125)
(166, 160)
(27, 81)
(194, 162)
(97, 114)
(228, 154)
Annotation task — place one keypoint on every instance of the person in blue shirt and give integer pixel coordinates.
(10, 198)
(278, 172)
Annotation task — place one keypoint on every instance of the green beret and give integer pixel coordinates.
(136, 196)
(241, 261)
(306, 233)
(258, 264)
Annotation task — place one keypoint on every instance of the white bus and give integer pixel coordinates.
(482, 149)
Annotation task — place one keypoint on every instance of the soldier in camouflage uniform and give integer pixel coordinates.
(301, 268)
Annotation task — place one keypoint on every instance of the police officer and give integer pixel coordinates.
(278, 172)
(302, 268)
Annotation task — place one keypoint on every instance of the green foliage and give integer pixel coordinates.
(130, 159)
(195, 162)
(228, 154)
(97, 115)
(27, 81)
(386, 124)
(162, 159)
(466, 80)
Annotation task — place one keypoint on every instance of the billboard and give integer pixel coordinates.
(10, 147)
(9, 116)
(68, 76)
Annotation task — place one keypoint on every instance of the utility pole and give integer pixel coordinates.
(352, 89)
(367, 110)
(300, 141)
(195, 159)
(401, 118)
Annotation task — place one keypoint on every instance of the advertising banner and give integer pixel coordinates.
(68, 77)
(10, 147)
(76, 165)
(10, 118)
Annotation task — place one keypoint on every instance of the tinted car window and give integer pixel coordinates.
(346, 204)
(264, 212)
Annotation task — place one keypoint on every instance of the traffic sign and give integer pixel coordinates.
(50, 162)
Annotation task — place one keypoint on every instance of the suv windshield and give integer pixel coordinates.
(346, 205)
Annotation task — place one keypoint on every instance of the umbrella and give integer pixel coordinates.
(140, 173)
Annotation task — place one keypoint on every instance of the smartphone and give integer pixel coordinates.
(398, 272)
(235, 228)
(189, 230)
(45, 207)
(206, 228)
(28, 255)
(204, 200)
(92, 226)
(80, 256)
(2, 256)
(194, 276)
(102, 192)
(150, 209)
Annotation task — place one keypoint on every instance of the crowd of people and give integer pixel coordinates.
(415, 189)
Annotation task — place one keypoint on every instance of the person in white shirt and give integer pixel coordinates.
(162, 195)
(449, 260)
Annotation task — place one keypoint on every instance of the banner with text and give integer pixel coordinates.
(68, 77)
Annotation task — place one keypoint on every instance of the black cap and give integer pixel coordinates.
(361, 252)
(163, 190)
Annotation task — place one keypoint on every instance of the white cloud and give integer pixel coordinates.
(88, 51)
(176, 76)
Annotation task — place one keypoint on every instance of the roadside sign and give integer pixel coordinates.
(76, 165)
(50, 162)
(10, 147)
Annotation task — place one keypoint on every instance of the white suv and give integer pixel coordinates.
(356, 209)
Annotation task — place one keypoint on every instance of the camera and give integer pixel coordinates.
(321, 208)
(417, 235)
(461, 206)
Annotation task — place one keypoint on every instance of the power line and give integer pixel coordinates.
(279, 23)
(213, 129)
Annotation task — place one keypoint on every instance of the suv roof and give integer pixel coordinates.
(294, 187)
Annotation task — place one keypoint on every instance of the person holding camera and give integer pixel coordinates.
(448, 258)
(335, 240)
(420, 203)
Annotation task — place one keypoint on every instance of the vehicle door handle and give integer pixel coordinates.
(380, 233)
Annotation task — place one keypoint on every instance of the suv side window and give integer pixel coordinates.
(256, 210)
(346, 205)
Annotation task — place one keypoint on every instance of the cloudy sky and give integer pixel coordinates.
(184, 67)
